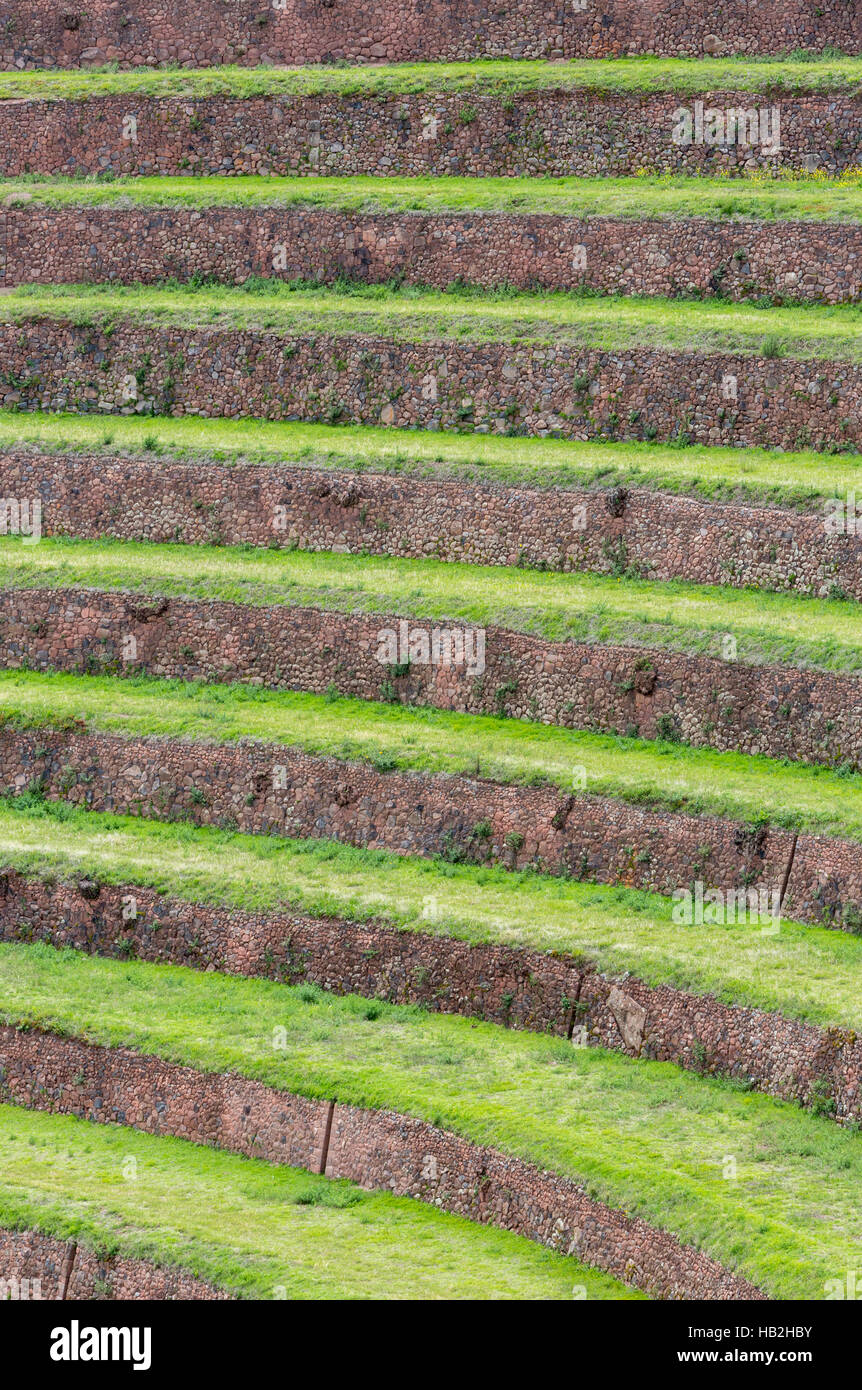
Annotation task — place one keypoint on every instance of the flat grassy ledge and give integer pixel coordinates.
(797, 72)
(804, 198)
(460, 314)
(642, 1136)
(756, 790)
(821, 634)
(260, 1230)
(799, 480)
(807, 973)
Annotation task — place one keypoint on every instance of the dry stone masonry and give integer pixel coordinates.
(741, 259)
(313, 31)
(277, 790)
(807, 715)
(656, 535)
(532, 388)
(544, 132)
(178, 366)
(518, 988)
(376, 1149)
(35, 1267)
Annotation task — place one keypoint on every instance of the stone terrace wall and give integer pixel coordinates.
(372, 1148)
(537, 389)
(660, 535)
(544, 132)
(272, 789)
(796, 260)
(313, 31)
(66, 1270)
(782, 711)
(517, 988)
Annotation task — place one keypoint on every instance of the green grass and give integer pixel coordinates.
(757, 790)
(258, 1229)
(641, 1135)
(771, 475)
(830, 71)
(459, 314)
(769, 627)
(808, 973)
(810, 197)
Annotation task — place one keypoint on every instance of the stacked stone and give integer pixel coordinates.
(55, 362)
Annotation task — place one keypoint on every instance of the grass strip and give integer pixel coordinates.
(807, 973)
(811, 197)
(259, 1229)
(717, 473)
(412, 313)
(641, 1135)
(755, 789)
(822, 634)
(799, 71)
